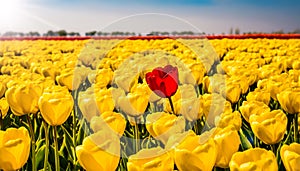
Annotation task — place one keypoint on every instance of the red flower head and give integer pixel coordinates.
(163, 81)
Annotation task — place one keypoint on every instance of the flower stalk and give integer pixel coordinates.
(171, 104)
(46, 127)
(57, 165)
(296, 132)
(31, 131)
(136, 135)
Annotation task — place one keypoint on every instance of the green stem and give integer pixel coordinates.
(74, 124)
(196, 128)
(197, 88)
(171, 104)
(136, 135)
(57, 166)
(31, 131)
(255, 141)
(74, 135)
(47, 145)
(273, 148)
(296, 128)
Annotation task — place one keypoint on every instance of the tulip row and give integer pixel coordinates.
(186, 104)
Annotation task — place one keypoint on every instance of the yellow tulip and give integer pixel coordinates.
(214, 105)
(232, 92)
(23, 98)
(184, 94)
(176, 105)
(299, 123)
(109, 120)
(153, 159)
(125, 80)
(290, 101)
(49, 71)
(198, 72)
(68, 79)
(227, 141)
(56, 105)
(14, 148)
(116, 93)
(99, 151)
(104, 77)
(187, 77)
(253, 108)
(154, 98)
(141, 88)
(269, 127)
(92, 76)
(162, 125)
(104, 103)
(251, 75)
(259, 95)
(206, 84)
(296, 65)
(290, 156)
(214, 83)
(192, 152)
(192, 108)
(253, 159)
(2, 89)
(242, 81)
(87, 104)
(294, 75)
(134, 104)
(3, 107)
(81, 73)
(276, 88)
(230, 118)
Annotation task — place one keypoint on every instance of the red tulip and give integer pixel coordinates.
(163, 81)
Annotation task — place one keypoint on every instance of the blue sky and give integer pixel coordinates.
(210, 16)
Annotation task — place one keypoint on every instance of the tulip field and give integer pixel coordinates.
(158, 103)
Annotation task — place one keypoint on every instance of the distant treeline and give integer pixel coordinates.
(120, 33)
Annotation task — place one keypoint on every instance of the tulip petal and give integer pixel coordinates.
(194, 163)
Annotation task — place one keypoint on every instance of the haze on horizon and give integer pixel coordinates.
(209, 16)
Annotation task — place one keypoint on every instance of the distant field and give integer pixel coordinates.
(89, 103)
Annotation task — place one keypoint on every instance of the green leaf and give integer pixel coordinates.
(39, 156)
(244, 141)
(81, 132)
(68, 144)
(39, 143)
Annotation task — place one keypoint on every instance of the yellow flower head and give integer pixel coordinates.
(110, 121)
(290, 101)
(290, 156)
(253, 159)
(227, 141)
(99, 151)
(252, 108)
(134, 104)
(153, 159)
(56, 105)
(162, 125)
(87, 104)
(229, 118)
(199, 151)
(14, 148)
(269, 127)
(3, 107)
(23, 98)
